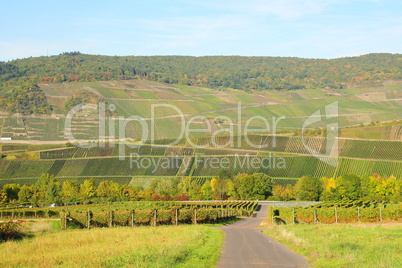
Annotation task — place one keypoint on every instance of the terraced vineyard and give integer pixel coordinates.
(375, 132)
(284, 157)
(136, 97)
(27, 172)
(372, 149)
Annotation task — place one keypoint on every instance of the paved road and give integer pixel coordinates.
(246, 246)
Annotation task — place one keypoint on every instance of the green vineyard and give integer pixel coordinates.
(335, 213)
(239, 145)
(27, 172)
(138, 213)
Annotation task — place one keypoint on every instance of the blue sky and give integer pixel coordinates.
(300, 28)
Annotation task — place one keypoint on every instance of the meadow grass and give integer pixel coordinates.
(164, 246)
(343, 245)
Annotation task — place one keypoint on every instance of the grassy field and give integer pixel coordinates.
(178, 246)
(343, 245)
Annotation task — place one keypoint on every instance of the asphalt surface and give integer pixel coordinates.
(246, 246)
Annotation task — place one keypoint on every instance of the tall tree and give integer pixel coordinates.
(308, 189)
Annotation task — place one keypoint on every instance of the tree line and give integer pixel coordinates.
(346, 187)
(258, 186)
(239, 72)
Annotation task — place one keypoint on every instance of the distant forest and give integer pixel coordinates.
(264, 73)
(218, 72)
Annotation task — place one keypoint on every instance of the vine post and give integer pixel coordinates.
(315, 216)
(110, 223)
(380, 214)
(176, 219)
(336, 215)
(358, 214)
(88, 219)
(195, 216)
(293, 216)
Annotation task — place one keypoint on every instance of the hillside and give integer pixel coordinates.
(39, 127)
(262, 73)
(220, 108)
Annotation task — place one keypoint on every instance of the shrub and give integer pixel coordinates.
(11, 230)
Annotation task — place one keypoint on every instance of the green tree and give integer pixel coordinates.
(256, 186)
(87, 190)
(232, 193)
(349, 187)
(43, 181)
(110, 190)
(184, 186)
(206, 191)
(308, 189)
(25, 194)
(3, 197)
(70, 191)
(12, 191)
(52, 191)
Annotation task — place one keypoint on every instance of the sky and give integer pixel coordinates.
(296, 28)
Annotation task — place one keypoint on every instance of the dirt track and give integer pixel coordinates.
(246, 246)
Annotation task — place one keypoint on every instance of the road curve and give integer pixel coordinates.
(246, 246)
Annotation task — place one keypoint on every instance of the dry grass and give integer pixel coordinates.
(164, 246)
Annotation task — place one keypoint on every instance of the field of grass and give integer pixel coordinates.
(164, 246)
(343, 245)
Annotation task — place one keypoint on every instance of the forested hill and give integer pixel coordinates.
(261, 73)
